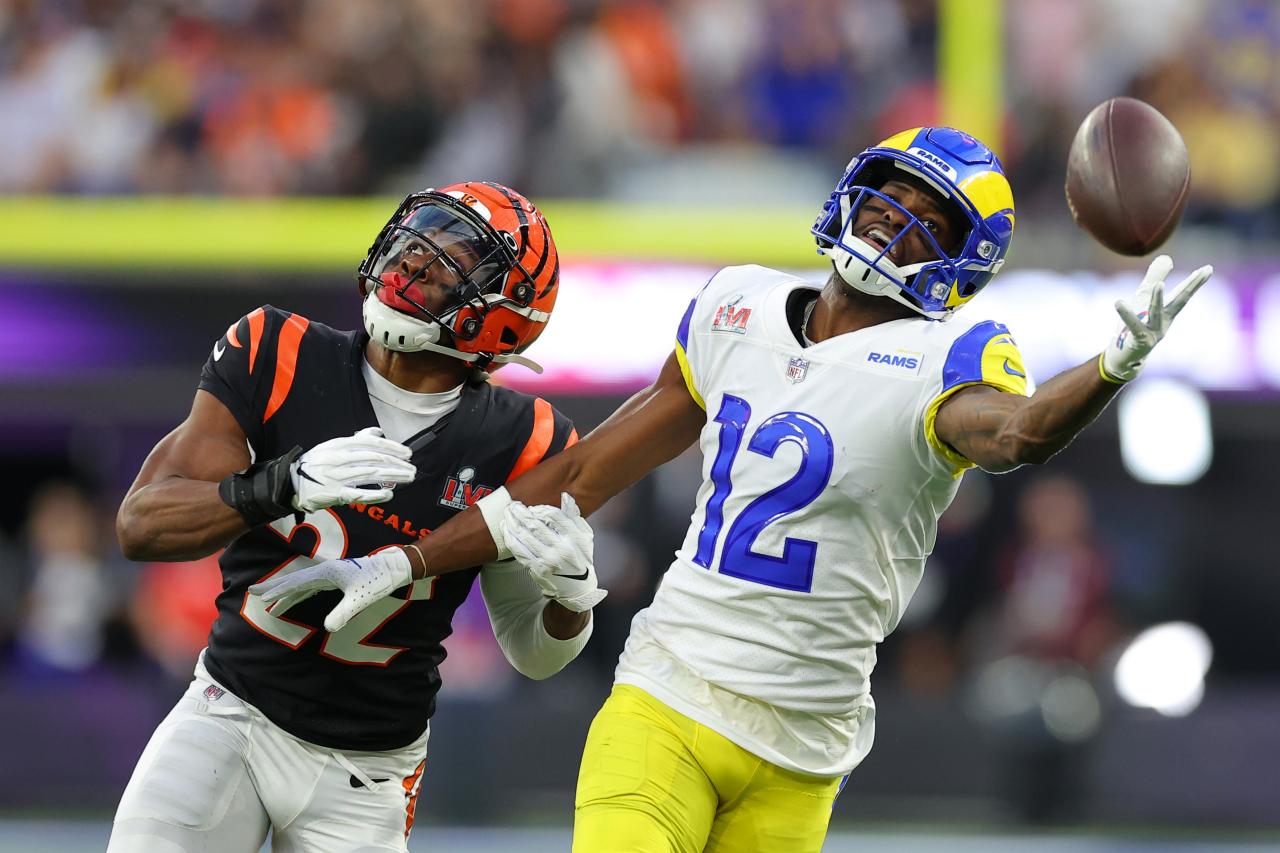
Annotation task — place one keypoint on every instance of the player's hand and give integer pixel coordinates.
(1145, 318)
(362, 581)
(555, 545)
(361, 468)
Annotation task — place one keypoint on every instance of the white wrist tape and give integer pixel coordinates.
(493, 506)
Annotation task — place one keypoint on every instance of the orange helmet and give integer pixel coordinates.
(469, 270)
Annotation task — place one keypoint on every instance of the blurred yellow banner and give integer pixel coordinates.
(309, 234)
(971, 68)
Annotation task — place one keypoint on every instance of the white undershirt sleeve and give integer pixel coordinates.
(515, 605)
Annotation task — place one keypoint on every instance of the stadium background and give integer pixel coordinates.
(168, 166)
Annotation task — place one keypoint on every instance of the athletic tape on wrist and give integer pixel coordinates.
(493, 506)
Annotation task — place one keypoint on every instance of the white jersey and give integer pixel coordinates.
(822, 485)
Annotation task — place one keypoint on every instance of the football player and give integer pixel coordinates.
(306, 444)
(835, 425)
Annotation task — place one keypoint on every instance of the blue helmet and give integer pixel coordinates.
(967, 175)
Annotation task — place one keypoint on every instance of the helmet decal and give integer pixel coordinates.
(472, 202)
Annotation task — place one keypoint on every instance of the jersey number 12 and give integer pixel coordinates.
(794, 569)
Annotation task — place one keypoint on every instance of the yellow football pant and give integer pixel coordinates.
(655, 781)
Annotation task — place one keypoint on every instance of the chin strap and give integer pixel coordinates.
(473, 357)
(385, 325)
(873, 281)
(515, 358)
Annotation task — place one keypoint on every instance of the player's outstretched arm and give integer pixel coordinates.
(172, 511)
(190, 498)
(999, 431)
(651, 428)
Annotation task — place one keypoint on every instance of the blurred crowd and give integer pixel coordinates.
(596, 97)
(74, 608)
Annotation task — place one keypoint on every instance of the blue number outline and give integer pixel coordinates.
(732, 417)
(794, 569)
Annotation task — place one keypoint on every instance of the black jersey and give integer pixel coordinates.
(372, 685)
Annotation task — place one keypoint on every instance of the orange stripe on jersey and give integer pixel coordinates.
(572, 439)
(256, 321)
(286, 362)
(232, 337)
(544, 426)
(412, 787)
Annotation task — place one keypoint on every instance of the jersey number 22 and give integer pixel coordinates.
(352, 644)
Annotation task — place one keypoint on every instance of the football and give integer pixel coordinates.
(1128, 176)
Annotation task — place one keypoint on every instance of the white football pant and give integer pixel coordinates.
(217, 775)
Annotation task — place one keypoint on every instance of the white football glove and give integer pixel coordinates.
(555, 545)
(361, 468)
(1146, 317)
(362, 581)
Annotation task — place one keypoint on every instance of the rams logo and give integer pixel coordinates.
(935, 161)
(898, 361)
(908, 361)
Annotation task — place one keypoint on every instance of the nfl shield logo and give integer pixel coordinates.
(797, 368)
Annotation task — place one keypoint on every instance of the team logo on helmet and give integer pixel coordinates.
(472, 202)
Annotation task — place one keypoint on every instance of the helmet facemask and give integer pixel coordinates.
(433, 260)
(468, 271)
(871, 265)
(934, 285)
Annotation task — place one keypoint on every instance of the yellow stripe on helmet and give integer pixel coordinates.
(990, 194)
(901, 141)
(954, 298)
